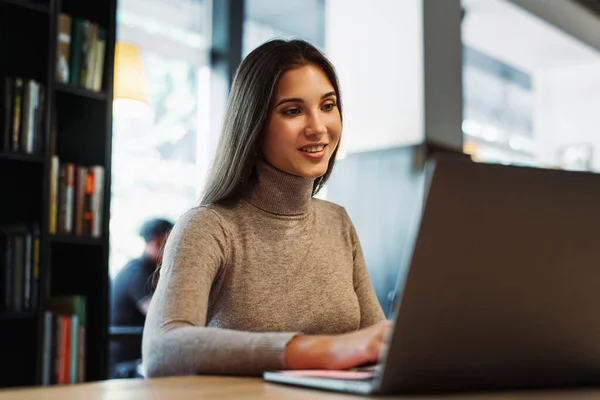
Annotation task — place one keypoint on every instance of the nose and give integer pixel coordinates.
(315, 126)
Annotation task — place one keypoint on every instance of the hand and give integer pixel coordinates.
(337, 352)
(357, 348)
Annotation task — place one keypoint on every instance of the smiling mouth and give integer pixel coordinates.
(313, 148)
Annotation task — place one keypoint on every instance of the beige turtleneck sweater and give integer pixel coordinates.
(239, 281)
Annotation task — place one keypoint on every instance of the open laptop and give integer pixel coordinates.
(502, 289)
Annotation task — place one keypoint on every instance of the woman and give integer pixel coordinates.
(262, 276)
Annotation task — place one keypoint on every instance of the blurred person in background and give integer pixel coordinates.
(132, 291)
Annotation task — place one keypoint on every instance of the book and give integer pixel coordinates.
(63, 48)
(19, 267)
(16, 117)
(80, 52)
(63, 355)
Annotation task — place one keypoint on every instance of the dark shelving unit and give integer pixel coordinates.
(75, 240)
(38, 6)
(68, 264)
(21, 158)
(79, 92)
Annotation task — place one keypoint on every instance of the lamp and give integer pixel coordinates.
(129, 99)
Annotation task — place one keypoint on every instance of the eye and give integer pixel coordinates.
(292, 111)
(328, 107)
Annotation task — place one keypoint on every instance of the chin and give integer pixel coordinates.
(313, 171)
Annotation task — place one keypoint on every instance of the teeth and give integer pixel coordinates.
(312, 149)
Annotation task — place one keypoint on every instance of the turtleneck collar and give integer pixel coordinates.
(280, 193)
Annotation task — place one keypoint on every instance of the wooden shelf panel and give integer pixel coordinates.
(21, 157)
(75, 240)
(31, 5)
(77, 91)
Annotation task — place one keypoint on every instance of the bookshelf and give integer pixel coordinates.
(70, 122)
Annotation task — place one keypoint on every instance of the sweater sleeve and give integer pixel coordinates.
(370, 309)
(176, 340)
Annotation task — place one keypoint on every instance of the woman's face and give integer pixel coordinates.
(304, 124)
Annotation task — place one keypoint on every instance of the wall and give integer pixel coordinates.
(399, 64)
(382, 204)
(377, 51)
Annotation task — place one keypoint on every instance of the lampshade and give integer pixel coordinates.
(130, 80)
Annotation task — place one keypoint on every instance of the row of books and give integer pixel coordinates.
(76, 194)
(19, 267)
(22, 103)
(80, 50)
(63, 357)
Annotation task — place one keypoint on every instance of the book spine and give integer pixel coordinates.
(60, 198)
(27, 271)
(64, 350)
(75, 50)
(18, 273)
(97, 200)
(54, 350)
(35, 279)
(69, 197)
(25, 105)
(38, 145)
(100, 49)
(88, 212)
(81, 363)
(66, 373)
(91, 56)
(74, 359)
(31, 117)
(80, 184)
(63, 48)
(54, 171)
(59, 352)
(16, 122)
(47, 348)
(85, 50)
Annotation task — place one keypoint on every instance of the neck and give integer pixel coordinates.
(149, 255)
(281, 193)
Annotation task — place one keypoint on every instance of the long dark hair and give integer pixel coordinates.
(247, 112)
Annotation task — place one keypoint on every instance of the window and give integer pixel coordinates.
(290, 19)
(497, 110)
(530, 89)
(159, 158)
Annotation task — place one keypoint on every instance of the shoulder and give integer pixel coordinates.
(336, 215)
(129, 269)
(200, 219)
(332, 210)
(333, 214)
(199, 224)
(200, 231)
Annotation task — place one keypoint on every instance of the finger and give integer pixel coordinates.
(383, 349)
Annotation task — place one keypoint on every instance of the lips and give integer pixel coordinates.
(313, 148)
(314, 152)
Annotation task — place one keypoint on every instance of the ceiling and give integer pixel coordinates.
(504, 31)
(593, 5)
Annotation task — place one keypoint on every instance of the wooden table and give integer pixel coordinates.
(207, 388)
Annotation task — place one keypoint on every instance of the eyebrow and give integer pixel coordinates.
(299, 100)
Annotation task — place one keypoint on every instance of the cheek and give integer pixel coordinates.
(285, 130)
(334, 127)
(276, 137)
